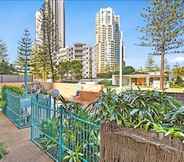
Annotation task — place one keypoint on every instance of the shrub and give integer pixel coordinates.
(141, 109)
(17, 90)
(2, 151)
(177, 83)
(106, 82)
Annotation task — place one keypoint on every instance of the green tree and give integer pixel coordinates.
(150, 63)
(178, 71)
(24, 51)
(39, 63)
(128, 70)
(70, 68)
(3, 51)
(5, 67)
(49, 38)
(64, 69)
(163, 29)
(76, 69)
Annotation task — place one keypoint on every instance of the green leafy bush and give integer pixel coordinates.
(142, 109)
(17, 90)
(106, 82)
(3, 151)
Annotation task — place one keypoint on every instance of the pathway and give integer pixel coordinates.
(19, 147)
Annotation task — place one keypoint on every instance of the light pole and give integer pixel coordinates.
(121, 63)
(26, 74)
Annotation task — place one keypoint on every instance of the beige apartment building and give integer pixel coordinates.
(107, 40)
(83, 53)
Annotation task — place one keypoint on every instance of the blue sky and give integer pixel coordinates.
(16, 15)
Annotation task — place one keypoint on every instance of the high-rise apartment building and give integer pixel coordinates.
(39, 35)
(107, 40)
(56, 10)
(83, 53)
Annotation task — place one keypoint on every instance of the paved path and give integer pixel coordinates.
(19, 148)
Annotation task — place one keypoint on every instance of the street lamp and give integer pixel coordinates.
(121, 63)
(26, 75)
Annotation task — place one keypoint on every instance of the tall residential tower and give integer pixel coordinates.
(56, 10)
(107, 40)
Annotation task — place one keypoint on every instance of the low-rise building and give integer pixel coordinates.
(144, 79)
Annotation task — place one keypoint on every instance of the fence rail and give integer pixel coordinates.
(62, 134)
(18, 109)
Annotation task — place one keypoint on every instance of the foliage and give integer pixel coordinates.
(49, 38)
(73, 68)
(24, 51)
(178, 71)
(77, 136)
(6, 68)
(128, 70)
(76, 69)
(3, 151)
(125, 70)
(74, 156)
(176, 117)
(149, 110)
(2, 101)
(106, 82)
(178, 82)
(104, 75)
(141, 109)
(150, 64)
(39, 63)
(163, 30)
(49, 128)
(18, 90)
(14, 89)
(3, 51)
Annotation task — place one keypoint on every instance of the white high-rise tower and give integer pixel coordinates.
(58, 10)
(58, 16)
(107, 40)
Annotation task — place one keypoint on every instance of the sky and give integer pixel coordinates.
(17, 15)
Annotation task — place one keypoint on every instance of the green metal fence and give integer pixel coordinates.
(62, 134)
(18, 109)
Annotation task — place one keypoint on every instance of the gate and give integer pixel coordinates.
(62, 134)
(18, 109)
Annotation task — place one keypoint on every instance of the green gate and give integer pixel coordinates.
(18, 109)
(62, 134)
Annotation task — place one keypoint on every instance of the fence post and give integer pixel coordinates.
(61, 141)
(32, 118)
(106, 128)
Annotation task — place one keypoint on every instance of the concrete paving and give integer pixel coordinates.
(19, 146)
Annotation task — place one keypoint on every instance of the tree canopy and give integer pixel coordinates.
(24, 51)
(67, 69)
(3, 51)
(163, 29)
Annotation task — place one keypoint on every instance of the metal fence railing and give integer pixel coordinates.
(62, 134)
(18, 109)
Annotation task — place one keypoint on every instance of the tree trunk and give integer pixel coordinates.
(162, 72)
